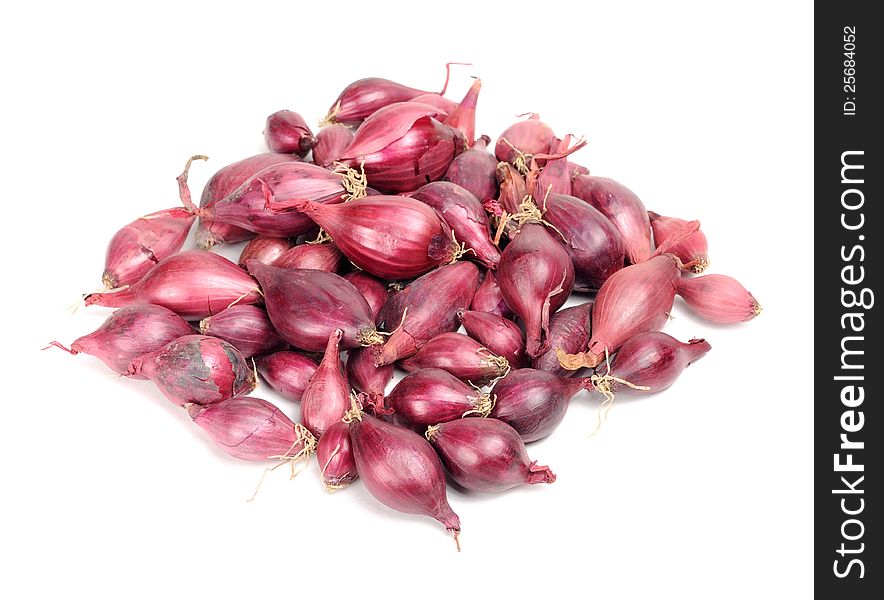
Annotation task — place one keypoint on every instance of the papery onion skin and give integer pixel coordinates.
(137, 247)
(488, 297)
(331, 141)
(264, 249)
(362, 98)
(372, 289)
(463, 117)
(287, 372)
(321, 257)
(652, 360)
(196, 369)
(445, 106)
(501, 336)
(692, 251)
(460, 355)
(486, 455)
(286, 132)
(334, 453)
(327, 396)
(570, 330)
(718, 298)
(365, 377)
(432, 396)
(194, 283)
(475, 170)
(524, 139)
(245, 326)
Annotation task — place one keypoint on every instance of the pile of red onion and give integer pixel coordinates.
(393, 239)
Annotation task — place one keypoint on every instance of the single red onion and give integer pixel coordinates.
(649, 362)
(331, 141)
(401, 147)
(569, 331)
(141, 244)
(463, 117)
(286, 132)
(534, 402)
(520, 142)
(128, 333)
(463, 212)
(593, 243)
(693, 251)
(555, 177)
(718, 298)
(432, 396)
(475, 170)
(363, 98)
(488, 298)
(287, 372)
(460, 355)
(264, 249)
(327, 396)
(334, 452)
(536, 277)
(321, 257)
(247, 327)
(210, 233)
(400, 469)
(366, 378)
(193, 283)
(372, 289)
(306, 306)
(623, 208)
(392, 237)
(501, 336)
(425, 308)
(486, 455)
(196, 369)
(633, 300)
(253, 429)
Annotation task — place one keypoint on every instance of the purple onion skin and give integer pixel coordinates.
(327, 396)
(528, 137)
(460, 355)
(465, 215)
(623, 208)
(432, 302)
(131, 332)
(287, 372)
(591, 240)
(334, 453)
(247, 327)
(321, 257)
(306, 306)
(486, 455)
(331, 141)
(534, 402)
(248, 428)
(401, 469)
(365, 377)
(286, 132)
(196, 369)
(488, 298)
(536, 277)
(652, 359)
(569, 329)
(501, 336)
(363, 97)
(372, 289)
(475, 170)
(429, 397)
(264, 249)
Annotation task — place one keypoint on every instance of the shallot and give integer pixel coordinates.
(331, 141)
(718, 298)
(432, 396)
(327, 395)
(366, 378)
(286, 132)
(287, 372)
(569, 331)
(334, 453)
(372, 289)
(488, 297)
(264, 249)
(475, 170)
(460, 355)
(245, 326)
(321, 257)
(693, 251)
(501, 336)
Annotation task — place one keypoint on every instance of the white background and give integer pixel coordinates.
(703, 491)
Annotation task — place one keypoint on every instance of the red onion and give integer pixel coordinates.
(373, 290)
(286, 132)
(306, 306)
(322, 257)
(718, 298)
(427, 307)
(488, 298)
(536, 277)
(264, 249)
(209, 233)
(501, 336)
(534, 402)
(649, 362)
(519, 142)
(253, 429)
(431, 396)
(633, 300)
(463, 212)
(327, 396)
(193, 283)
(486, 455)
(463, 117)
(623, 208)
(334, 452)
(591, 240)
(569, 331)
(460, 355)
(287, 372)
(366, 378)
(513, 189)
(331, 141)
(363, 98)
(400, 469)
(555, 177)
(392, 237)
(401, 147)
(692, 251)
(196, 369)
(247, 327)
(475, 170)
(128, 333)
(138, 246)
